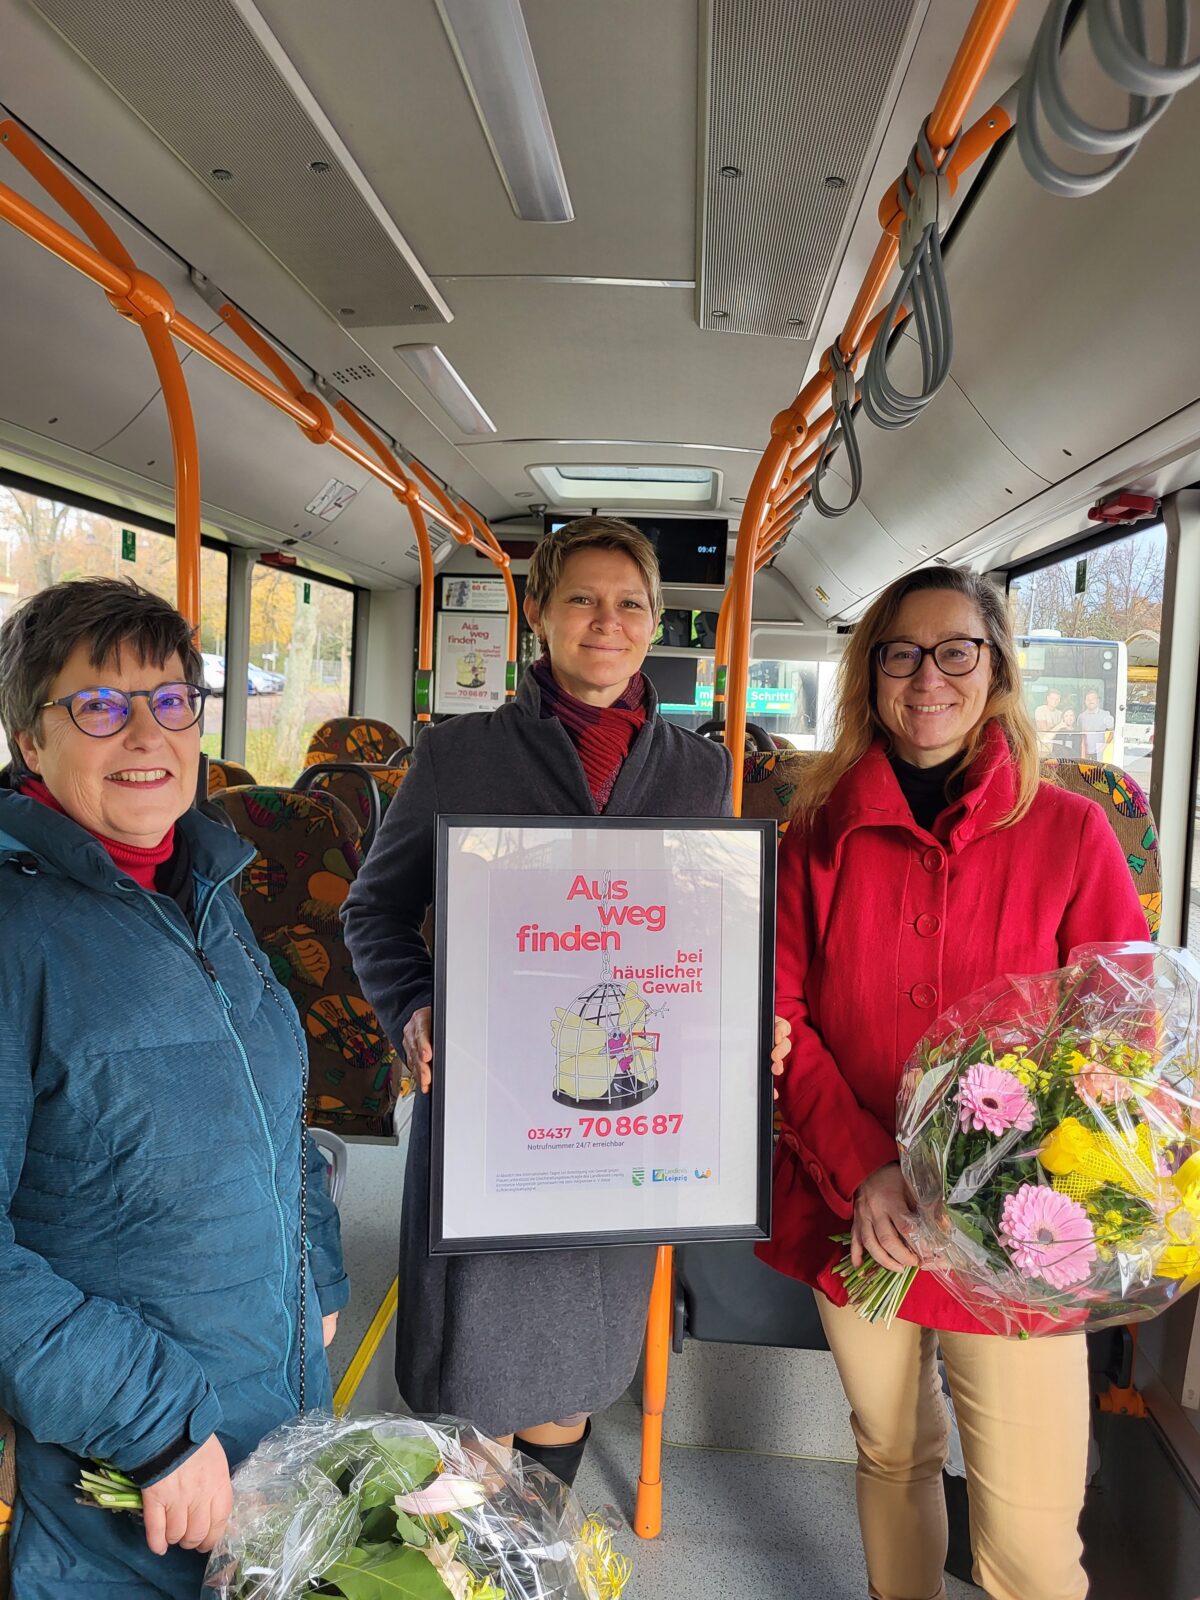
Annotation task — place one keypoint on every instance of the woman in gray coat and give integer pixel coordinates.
(495, 1338)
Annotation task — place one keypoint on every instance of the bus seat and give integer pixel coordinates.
(354, 739)
(1128, 811)
(225, 774)
(351, 790)
(308, 856)
(723, 1292)
(8, 1491)
(337, 1159)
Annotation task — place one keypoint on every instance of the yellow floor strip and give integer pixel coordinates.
(365, 1354)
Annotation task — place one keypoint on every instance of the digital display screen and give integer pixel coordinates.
(690, 550)
(674, 678)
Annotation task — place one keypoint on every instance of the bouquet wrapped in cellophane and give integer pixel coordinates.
(1049, 1129)
(380, 1506)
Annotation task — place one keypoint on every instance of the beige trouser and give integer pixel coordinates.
(1023, 1412)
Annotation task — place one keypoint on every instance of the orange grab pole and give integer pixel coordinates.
(975, 143)
(136, 288)
(980, 43)
(154, 313)
(411, 502)
(647, 1517)
(501, 559)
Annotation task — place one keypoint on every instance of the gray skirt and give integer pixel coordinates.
(511, 1341)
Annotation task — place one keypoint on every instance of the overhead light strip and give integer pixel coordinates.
(495, 57)
(437, 374)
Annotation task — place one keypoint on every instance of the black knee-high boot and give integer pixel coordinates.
(561, 1459)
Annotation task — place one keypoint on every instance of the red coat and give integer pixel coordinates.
(881, 927)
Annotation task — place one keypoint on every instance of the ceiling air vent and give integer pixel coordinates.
(345, 375)
(797, 100)
(211, 80)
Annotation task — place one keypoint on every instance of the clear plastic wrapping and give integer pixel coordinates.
(1049, 1129)
(392, 1505)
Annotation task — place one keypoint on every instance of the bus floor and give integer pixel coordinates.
(761, 1526)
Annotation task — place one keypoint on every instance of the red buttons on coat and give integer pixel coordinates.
(928, 924)
(933, 860)
(923, 995)
(814, 1171)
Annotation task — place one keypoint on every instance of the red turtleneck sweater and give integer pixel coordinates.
(140, 864)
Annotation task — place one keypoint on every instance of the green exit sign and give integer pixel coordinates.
(308, 594)
(128, 544)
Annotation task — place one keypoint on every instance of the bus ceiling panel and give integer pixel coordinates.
(855, 547)
(619, 81)
(506, 464)
(1074, 319)
(213, 83)
(256, 465)
(797, 98)
(825, 594)
(598, 361)
(945, 476)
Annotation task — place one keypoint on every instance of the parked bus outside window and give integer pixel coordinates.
(1088, 628)
(301, 641)
(43, 541)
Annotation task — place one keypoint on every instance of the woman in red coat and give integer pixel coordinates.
(925, 858)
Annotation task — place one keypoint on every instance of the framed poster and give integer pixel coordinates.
(472, 662)
(603, 1020)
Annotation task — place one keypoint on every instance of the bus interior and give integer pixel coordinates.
(530, 259)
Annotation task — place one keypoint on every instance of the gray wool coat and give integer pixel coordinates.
(507, 1341)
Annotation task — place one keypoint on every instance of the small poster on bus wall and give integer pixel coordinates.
(602, 1027)
(473, 594)
(472, 660)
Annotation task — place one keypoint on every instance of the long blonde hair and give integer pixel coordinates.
(856, 721)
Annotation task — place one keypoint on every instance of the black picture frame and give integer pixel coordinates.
(758, 1073)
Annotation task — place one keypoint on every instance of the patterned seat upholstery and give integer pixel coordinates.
(225, 775)
(351, 790)
(292, 892)
(769, 787)
(354, 739)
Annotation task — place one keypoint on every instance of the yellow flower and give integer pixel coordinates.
(1081, 1160)
(1181, 1259)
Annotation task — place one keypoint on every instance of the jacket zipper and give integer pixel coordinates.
(210, 973)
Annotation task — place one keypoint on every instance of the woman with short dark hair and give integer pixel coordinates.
(528, 1344)
(169, 1255)
(926, 857)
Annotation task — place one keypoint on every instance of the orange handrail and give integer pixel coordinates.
(410, 499)
(502, 560)
(154, 320)
(773, 496)
(142, 299)
(774, 484)
(647, 1517)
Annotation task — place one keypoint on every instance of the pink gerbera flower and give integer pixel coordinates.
(1048, 1235)
(993, 1100)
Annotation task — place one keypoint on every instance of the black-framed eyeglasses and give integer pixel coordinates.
(901, 658)
(102, 712)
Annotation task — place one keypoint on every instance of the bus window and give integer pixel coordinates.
(788, 699)
(43, 541)
(301, 642)
(1088, 628)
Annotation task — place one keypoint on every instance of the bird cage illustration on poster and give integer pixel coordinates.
(606, 1060)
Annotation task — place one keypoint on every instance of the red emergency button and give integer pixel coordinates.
(928, 924)
(923, 995)
(933, 860)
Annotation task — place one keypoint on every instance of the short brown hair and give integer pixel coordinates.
(591, 533)
(856, 719)
(37, 638)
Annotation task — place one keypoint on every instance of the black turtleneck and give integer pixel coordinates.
(927, 789)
